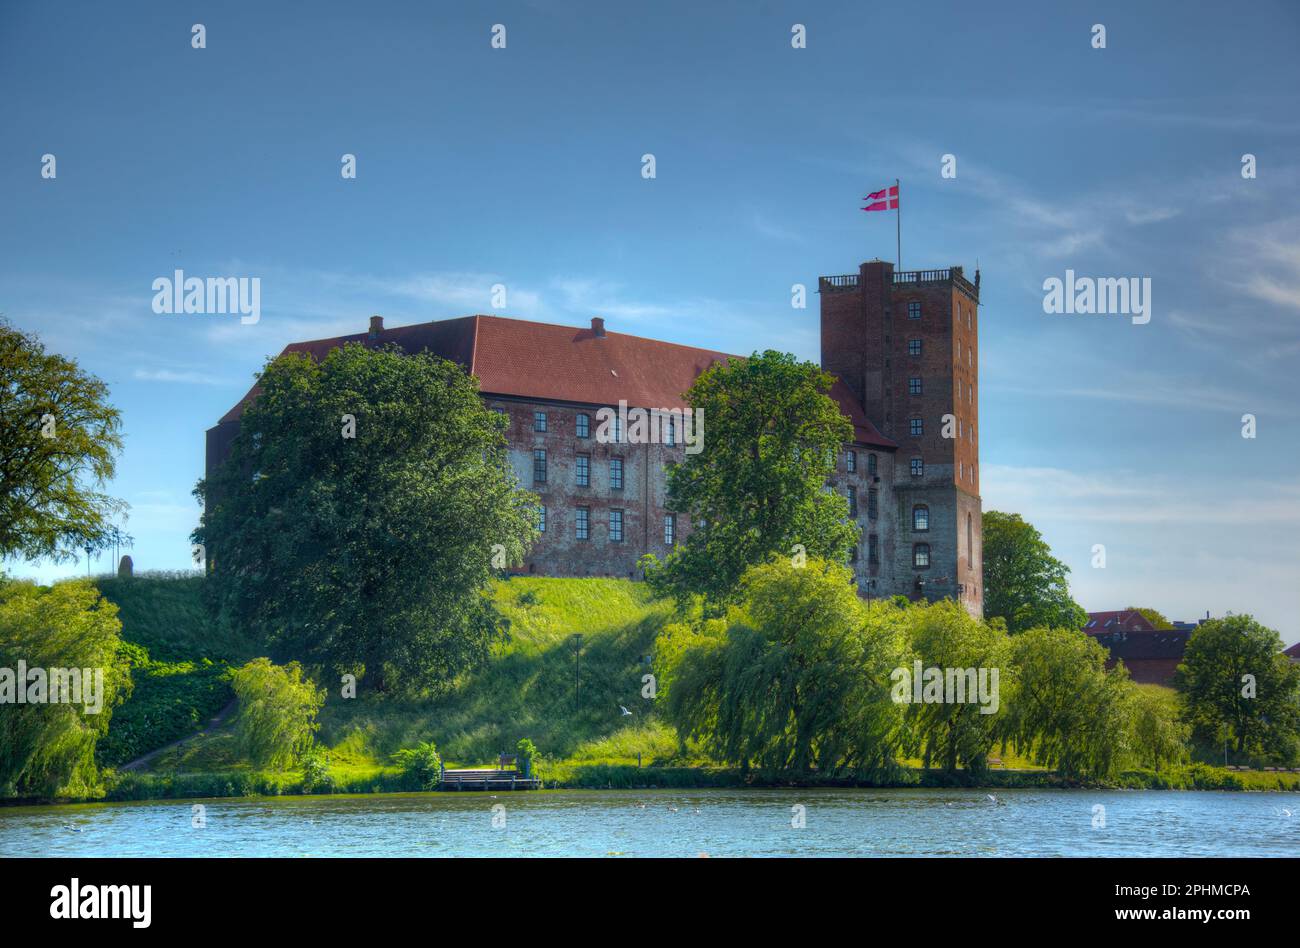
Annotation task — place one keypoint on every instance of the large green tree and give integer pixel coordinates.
(796, 678)
(1240, 689)
(1068, 711)
(277, 712)
(759, 486)
(361, 514)
(1024, 583)
(47, 747)
(59, 439)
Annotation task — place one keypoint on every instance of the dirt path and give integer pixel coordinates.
(216, 722)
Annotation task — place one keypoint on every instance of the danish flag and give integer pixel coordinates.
(886, 199)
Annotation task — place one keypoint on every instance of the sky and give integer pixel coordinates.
(523, 166)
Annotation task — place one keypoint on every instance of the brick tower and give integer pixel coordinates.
(906, 344)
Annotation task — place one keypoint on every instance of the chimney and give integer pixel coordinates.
(376, 326)
(597, 326)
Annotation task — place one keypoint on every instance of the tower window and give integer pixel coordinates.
(916, 427)
(616, 526)
(583, 425)
(873, 504)
(920, 517)
(583, 470)
(871, 464)
(921, 556)
(583, 523)
(539, 466)
(616, 473)
(914, 347)
(670, 529)
(873, 549)
(851, 461)
(541, 519)
(914, 310)
(914, 385)
(853, 503)
(918, 467)
(539, 421)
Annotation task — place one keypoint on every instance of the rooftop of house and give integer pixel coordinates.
(1127, 620)
(516, 358)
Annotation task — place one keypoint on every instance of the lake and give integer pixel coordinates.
(716, 822)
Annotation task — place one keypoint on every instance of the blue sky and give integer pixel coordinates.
(522, 166)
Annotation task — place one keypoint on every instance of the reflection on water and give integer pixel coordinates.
(676, 823)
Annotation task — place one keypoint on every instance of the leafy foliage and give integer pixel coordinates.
(945, 636)
(1160, 735)
(1154, 616)
(59, 439)
(48, 748)
(759, 487)
(526, 755)
(169, 701)
(1067, 709)
(1259, 714)
(277, 712)
(369, 553)
(421, 764)
(796, 678)
(1023, 583)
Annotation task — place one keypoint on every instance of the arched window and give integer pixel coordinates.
(920, 517)
(871, 464)
(921, 555)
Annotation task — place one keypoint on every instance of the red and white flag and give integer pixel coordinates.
(886, 199)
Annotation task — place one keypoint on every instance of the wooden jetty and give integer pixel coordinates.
(506, 777)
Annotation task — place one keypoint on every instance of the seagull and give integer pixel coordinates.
(626, 712)
(1284, 812)
(992, 798)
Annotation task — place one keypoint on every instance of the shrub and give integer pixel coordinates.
(421, 765)
(277, 712)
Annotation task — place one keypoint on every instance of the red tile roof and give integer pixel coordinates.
(1126, 619)
(1293, 652)
(545, 362)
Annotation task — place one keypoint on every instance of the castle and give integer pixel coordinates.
(903, 346)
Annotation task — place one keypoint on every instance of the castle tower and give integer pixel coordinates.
(906, 344)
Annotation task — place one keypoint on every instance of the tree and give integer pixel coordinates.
(59, 439)
(277, 712)
(946, 637)
(1159, 733)
(795, 679)
(1068, 712)
(759, 486)
(356, 521)
(1023, 583)
(47, 743)
(1155, 617)
(1239, 688)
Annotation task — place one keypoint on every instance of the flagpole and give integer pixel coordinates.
(898, 222)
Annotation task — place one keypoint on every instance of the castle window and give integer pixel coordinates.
(539, 421)
(616, 526)
(970, 359)
(670, 529)
(539, 466)
(670, 432)
(921, 556)
(914, 347)
(914, 385)
(914, 310)
(873, 504)
(541, 519)
(583, 425)
(871, 464)
(851, 461)
(618, 429)
(918, 467)
(916, 427)
(920, 517)
(873, 549)
(853, 503)
(583, 470)
(616, 473)
(583, 522)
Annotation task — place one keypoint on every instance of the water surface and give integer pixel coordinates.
(909, 822)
